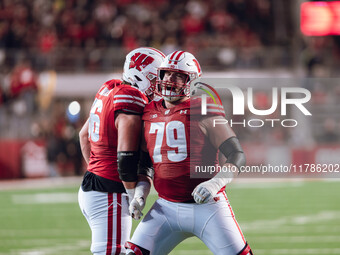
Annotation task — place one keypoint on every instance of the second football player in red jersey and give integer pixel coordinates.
(110, 143)
(177, 137)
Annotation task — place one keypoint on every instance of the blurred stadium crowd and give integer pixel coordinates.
(82, 36)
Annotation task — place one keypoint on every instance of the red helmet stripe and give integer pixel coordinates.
(198, 66)
(172, 57)
(157, 51)
(179, 55)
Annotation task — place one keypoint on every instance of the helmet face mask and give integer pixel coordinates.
(178, 70)
(172, 85)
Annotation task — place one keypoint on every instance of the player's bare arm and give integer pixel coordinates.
(129, 130)
(84, 141)
(218, 134)
(145, 168)
(128, 125)
(223, 138)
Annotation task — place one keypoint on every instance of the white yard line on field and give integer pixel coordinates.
(296, 229)
(55, 249)
(39, 183)
(296, 239)
(45, 198)
(316, 251)
(189, 252)
(292, 220)
(32, 232)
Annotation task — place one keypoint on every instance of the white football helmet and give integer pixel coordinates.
(140, 68)
(180, 62)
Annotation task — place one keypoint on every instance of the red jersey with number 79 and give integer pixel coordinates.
(173, 151)
(113, 96)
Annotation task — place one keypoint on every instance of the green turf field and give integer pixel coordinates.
(277, 218)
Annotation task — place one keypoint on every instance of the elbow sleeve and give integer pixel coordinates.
(232, 150)
(127, 162)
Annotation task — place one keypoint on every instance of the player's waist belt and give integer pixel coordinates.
(191, 201)
(94, 182)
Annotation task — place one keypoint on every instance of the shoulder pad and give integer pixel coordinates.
(113, 83)
(129, 99)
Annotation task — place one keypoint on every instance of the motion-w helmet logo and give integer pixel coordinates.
(140, 60)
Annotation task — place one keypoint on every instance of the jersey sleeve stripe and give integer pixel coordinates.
(215, 105)
(215, 110)
(132, 111)
(129, 101)
(129, 96)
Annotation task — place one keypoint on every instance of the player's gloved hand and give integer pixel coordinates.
(135, 208)
(137, 204)
(205, 191)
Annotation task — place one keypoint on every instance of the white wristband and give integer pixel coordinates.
(142, 189)
(130, 193)
(222, 178)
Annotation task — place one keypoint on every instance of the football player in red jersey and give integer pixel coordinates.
(187, 206)
(110, 142)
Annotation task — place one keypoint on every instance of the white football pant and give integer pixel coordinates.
(168, 223)
(109, 220)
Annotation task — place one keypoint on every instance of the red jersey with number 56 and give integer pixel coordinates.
(113, 96)
(176, 143)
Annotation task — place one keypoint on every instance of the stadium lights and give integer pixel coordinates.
(320, 18)
(73, 111)
(74, 108)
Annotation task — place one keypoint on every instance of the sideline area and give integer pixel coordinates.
(53, 182)
(38, 183)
